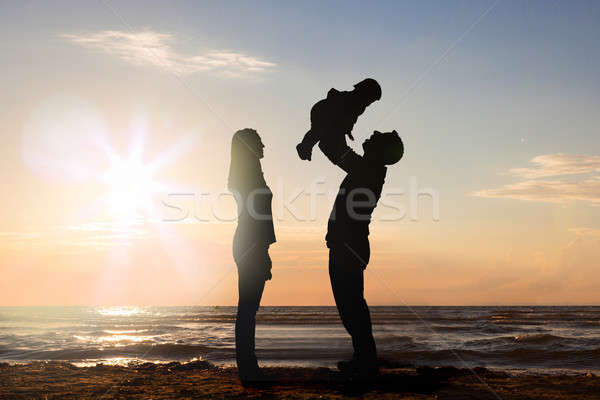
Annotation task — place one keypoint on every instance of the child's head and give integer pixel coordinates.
(385, 148)
(368, 91)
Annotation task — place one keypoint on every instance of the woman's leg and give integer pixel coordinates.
(251, 284)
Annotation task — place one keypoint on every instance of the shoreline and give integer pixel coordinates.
(198, 379)
(224, 365)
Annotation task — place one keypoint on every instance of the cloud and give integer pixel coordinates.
(583, 183)
(547, 191)
(587, 233)
(559, 164)
(155, 49)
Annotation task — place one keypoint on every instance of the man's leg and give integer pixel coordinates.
(347, 283)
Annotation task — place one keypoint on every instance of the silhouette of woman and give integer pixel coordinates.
(251, 242)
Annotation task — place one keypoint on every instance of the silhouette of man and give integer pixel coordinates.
(348, 236)
(337, 114)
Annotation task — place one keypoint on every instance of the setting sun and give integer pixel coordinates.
(130, 187)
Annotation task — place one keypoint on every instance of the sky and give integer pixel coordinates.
(117, 121)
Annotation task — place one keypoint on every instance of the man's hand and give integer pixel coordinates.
(339, 153)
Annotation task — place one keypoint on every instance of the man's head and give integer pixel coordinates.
(385, 148)
(368, 90)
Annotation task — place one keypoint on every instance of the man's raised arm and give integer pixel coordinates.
(339, 153)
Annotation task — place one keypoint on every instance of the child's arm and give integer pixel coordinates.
(319, 122)
(305, 147)
(311, 138)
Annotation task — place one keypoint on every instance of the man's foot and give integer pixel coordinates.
(346, 367)
(303, 152)
(356, 369)
(252, 377)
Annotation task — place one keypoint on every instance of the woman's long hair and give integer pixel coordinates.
(245, 172)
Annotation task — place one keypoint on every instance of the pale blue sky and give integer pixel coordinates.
(522, 82)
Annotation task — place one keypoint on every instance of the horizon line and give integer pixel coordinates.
(315, 305)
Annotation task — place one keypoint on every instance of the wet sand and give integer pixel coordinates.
(55, 380)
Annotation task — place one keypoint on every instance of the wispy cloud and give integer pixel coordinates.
(586, 232)
(547, 191)
(149, 48)
(583, 181)
(557, 165)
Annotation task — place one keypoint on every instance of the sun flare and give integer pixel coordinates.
(131, 187)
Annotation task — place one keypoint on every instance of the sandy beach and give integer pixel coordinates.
(199, 379)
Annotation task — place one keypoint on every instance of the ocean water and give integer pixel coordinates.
(548, 339)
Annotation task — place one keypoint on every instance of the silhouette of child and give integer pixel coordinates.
(337, 114)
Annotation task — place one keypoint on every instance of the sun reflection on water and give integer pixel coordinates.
(119, 311)
(114, 340)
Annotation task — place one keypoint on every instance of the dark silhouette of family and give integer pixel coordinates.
(348, 227)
